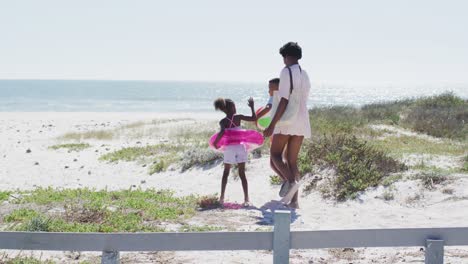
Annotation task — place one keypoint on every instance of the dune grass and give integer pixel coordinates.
(444, 116)
(409, 144)
(4, 195)
(96, 134)
(465, 164)
(135, 153)
(203, 228)
(71, 146)
(198, 156)
(87, 210)
(5, 259)
(431, 179)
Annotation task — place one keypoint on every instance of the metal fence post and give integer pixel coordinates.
(110, 257)
(281, 237)
(434, 252)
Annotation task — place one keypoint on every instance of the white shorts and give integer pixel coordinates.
(234, 154)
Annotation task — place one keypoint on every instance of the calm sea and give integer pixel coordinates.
(162, 96)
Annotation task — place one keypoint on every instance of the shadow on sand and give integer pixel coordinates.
(268, 212)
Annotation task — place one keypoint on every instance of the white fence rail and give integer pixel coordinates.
(281, 240)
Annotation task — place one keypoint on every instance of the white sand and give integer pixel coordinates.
(37, 131)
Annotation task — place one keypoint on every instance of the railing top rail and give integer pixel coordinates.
(395, 237)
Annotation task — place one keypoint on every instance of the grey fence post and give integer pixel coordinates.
(281, 237)
(434, 252)
(110, 257)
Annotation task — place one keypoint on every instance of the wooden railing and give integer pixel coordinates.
(281, 240)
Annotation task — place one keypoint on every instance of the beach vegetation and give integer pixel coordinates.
(399, 145)
(448, 191)
(391, 179)
(198, 157)
(5, 259)
(71, 146)
(388, 195)
(358, 165)
(86, 210)
(208, 202)
(275, 180)
(95, 134)
(444, 115)
(202, 228)
(19, 215)
(464, 168)
(430, 180)
(136, 153)
(4, 195)
(197, 134)
(361, 156)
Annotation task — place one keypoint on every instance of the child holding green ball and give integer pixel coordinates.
(273, 86)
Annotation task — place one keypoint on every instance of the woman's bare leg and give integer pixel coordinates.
(245, 186)
(294, 146)
(276, 156)
(273, 166)
(227, 168)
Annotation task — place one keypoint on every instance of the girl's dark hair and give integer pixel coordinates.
(291, 49)
(222, 104)
(274, 80)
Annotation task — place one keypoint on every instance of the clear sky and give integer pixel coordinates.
(359, 41)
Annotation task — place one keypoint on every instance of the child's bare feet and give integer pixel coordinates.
(246, 204)
(221, 201)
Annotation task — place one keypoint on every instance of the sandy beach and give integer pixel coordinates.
(28, 162)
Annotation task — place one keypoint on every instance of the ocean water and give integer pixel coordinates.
(164, 96)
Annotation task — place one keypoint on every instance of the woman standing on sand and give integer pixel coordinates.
(288, 134)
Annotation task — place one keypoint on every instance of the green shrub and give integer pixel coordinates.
(157, 167)
(386, 112)
(208, 202)
(4, 195)
(431, 179)
(465, 164)
(20, 215)
(197, 156)
(389, 180)
(388, 195)
(36, 224)
(276, 180)
(357, 164)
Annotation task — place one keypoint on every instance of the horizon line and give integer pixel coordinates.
(318, 83)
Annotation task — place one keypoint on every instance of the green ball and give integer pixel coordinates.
(264, 122)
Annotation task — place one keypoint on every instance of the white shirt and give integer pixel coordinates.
(301, 84)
